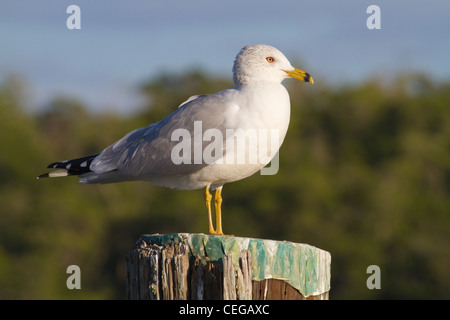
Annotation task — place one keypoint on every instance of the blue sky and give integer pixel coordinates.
(122, 43)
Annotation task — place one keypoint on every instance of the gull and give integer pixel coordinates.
(208, 141)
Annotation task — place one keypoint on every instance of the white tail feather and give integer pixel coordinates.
(58, 173)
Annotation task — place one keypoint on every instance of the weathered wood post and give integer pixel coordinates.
(198, 266)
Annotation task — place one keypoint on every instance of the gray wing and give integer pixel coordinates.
(147, 151)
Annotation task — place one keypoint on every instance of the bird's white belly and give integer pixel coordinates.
(252, 138)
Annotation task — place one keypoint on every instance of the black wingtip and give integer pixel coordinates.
(72, 167)
(53, 165)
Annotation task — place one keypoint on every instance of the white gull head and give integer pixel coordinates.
(264, 63)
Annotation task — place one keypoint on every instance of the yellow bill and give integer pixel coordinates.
(300, 75)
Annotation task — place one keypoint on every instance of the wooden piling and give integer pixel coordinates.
(184, 266)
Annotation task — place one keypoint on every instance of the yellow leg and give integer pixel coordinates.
(218, 204)
(208, 198)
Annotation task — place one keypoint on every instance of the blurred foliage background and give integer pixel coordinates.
(364, 174)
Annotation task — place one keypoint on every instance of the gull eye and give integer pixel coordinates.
(270, 59)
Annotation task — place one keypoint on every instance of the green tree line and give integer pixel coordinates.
(364, 174)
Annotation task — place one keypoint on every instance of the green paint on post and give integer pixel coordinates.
(304, 267)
